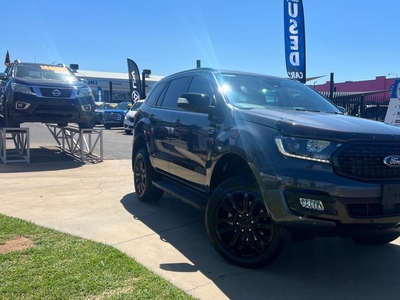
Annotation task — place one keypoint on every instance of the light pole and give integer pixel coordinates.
(315, 83)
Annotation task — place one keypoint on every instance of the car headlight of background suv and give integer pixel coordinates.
(21, 88)
(84, 92)
(308, 149)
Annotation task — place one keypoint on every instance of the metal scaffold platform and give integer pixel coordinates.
(19, 150)
(83, 144)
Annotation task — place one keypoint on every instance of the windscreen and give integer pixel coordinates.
(255, 91)
(44, 72)
(124, 106)
(137, 105)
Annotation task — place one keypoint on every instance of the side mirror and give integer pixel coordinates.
(195, 103)
(3, 76)
(84, 80)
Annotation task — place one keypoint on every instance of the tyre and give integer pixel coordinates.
(143, 175)
(87, 124)
(107, 126)
(239, 225)
(128, 132)
(8, 119)
(376, 239)
(63, 124)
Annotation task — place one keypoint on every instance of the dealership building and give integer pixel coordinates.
(102, 83)
(380, 83)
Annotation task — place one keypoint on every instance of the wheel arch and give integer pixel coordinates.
(230, 165)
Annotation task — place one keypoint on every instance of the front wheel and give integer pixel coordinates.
(143, 175)
(8, 119)
(376, 239)
(239, 225)
(87, 124)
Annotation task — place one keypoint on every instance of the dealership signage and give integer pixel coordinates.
(393, 112)
(295, 47)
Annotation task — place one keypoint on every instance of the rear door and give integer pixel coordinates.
(160, 121)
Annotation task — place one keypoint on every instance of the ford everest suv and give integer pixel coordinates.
(33, 92)
(268, 159)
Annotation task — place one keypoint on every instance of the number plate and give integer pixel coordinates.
(56, 102)
(390, 195)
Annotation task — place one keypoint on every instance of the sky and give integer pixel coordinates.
(353, 39)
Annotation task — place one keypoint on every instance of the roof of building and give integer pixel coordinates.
(113, 75)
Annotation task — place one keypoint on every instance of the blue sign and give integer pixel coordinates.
(295, 41)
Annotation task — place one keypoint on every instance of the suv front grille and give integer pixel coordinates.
(372, 210)
(112, 117)
(48, 92)
(364, 160)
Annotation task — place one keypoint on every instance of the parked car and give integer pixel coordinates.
(100, 108)
(33, 92)
(269, 159)
(115, 117)
(130, 115)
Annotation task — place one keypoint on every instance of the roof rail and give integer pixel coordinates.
(17, 61)
(61, 65)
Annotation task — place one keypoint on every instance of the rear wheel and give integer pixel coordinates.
(239, 225)
(107, 126)
(62, 124)
(376, 239)
(143, 175)
(128, 131)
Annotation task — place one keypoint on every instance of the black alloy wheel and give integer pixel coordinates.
(143, 175)
(239, 225)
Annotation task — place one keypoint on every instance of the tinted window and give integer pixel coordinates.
(256, 91)
(201, 85)
(47, 72)
(155, 93)
(175, 89)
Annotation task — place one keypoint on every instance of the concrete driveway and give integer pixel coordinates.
(98, 202)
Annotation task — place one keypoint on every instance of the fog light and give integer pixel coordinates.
(311, 204)
(86, 107)
(22, 105)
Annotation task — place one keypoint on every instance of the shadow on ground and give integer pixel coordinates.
(43, 159)
(330, 268)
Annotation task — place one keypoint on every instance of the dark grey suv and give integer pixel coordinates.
(268, 159)
(33, 92)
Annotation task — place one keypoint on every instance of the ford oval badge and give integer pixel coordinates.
(392, 161)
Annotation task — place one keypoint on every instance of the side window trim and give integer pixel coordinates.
(156, 94)
(186, 79)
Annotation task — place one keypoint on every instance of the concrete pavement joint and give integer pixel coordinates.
(134, 239)
(157, 233)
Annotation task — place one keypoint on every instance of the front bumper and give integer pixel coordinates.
(51, 110)
(351, 208)
(128, 125)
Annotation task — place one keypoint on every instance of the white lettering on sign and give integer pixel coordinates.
(293, 10)
(296, 75)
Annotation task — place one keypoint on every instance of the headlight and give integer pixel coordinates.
(21, 88)
(85, 92)
(308, 149)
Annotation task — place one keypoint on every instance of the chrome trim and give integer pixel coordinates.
(36, 88)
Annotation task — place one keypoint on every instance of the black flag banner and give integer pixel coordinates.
(135, 84)
(7, 61)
